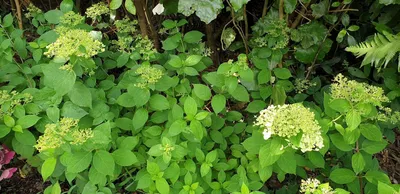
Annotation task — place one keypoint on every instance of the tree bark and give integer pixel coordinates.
(211, 43)
(141, 17)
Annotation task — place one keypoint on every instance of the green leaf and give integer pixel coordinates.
(342, 176)
(115, 4)
(177, 127)
(204, 169)
(384, 188)
(104, 162)
(256, 106)
(375, 176)
(270, 152)
(159, 102)
(190, 71)
(339, 142)
(340, 105)
(140, 118)
(4, 130)
(264, 76)
(62, 81)
(317, 159)
(130, 7)
(202, 91)
(353, 119)
(320, 9)
(197, 129)
(265, 173)
(289, 6)
(357, 162)
(140, 95)
(124, 157)
(282, 73)
(56, 189)
(9, 121)
(162, 186)
(373, 147)
(8, 20)
(126, 100)
(241, 94)
(66, 5)
(123, 59)
(238, 4)
(78, 161)
(193, 36)
(48, 167)
(80, 95)
(218, 103)
(193, 60)
(278, 95)
(53, 16)
(190, 106)
(175, 61)
(371, 132)
(27, 121)
(287, 162)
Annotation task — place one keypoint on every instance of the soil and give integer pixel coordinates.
(389, 159)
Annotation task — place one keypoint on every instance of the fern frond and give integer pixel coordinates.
(379, 51)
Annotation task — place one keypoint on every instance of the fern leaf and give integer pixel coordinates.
(379, 51)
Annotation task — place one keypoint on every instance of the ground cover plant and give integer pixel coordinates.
(205, 96)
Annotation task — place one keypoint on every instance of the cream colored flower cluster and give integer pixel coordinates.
(71, 19)
(32, 11)
(65, 131)
(288, 121)
(97, 10)
(126, 25)
(301, 85)
(145, 47)
(356, 92)
(311, 186)
(75, 42)
(148, 75)
(8, 101)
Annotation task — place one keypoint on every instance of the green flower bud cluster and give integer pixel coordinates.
(314, 186)
(126, 26)
(301, 85)
(8, 101)
(271, 33)
(386, 114)
(144, 47)
(289, 122)
(97, 10)
(148, 76)
(75, 42)
(71, 19)
(62, 132)
(356, 92)
(33, 11)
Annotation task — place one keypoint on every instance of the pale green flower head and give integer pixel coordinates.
(32, 11)
(314, 186)
(74, 42)
(144, 47)
(97, 10)
(10, 100)
(301, 85)
(71, 19)
(126, 25)
(356, 92)
(148, 76)
(293, 122)
(62, 132)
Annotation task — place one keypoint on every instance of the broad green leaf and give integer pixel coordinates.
(53, 113)
(8, 121)
(193, 60)
(340, 105)
(265, 173)
(371, 132)
(162, 186)
(375, 176)
(202, 91)
(197, 129)
(48, 167)
(238, 4)
(124, 157)
(56, 189)
(7, 20)
(177, 127)
(190, 106)
(282, 73)
(373, 147)
(89, 188)
(218, 103)
(270, 152)
(140, 118)
(241, 94)
(256, 106)
(126, 100)
(115, 4)
(130, 7)
(342, 176)
(339, 142)
(357, 162)
(53, 16)
(78, 161)
(104, 162)
(316, 158)
(353, 119)
(27, 121)
(159, 102)
(66, 5)
(4, 130)
(278, 95)
(264, 76)
(193, 36)
(289, 6)
(80, 95)
(384, 188)
(140, 95)
(287, 162)
(62, 81)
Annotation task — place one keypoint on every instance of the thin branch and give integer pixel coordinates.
(265, 8)
(246, 23)
(301, 15)
(239, 29)
(19, 14)
(335, 11)
(281, 14)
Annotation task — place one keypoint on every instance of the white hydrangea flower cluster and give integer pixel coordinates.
(314, 186)
(97, 10)
(289, 121)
